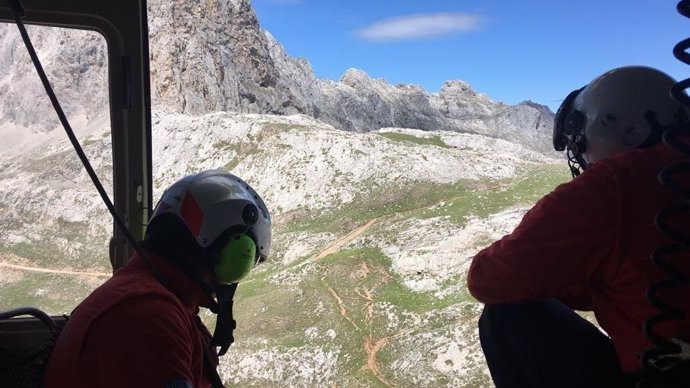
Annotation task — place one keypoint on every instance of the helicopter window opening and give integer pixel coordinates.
(54, 230)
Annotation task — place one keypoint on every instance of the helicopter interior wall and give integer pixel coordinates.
(22, 334)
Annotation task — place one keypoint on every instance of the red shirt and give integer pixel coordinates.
(133, 332)
(588, 243)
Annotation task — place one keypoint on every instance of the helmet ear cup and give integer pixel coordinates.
(236, 259)
(567, 121)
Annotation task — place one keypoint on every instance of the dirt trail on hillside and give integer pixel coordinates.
(371, 345)
(342, 308)
(336, 245)
(56, 271)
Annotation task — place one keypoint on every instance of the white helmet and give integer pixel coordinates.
(214, 202)
(622, 109)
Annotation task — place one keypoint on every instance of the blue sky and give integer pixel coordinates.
(510, 50)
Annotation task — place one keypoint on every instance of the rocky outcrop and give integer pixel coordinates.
(359, 103)
(74, 62)
(211, 56)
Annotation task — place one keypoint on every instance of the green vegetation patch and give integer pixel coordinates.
(380, 201)
(486, 197)
(224, 145)
(432, 140)
(353, 292)
(273, 128)
(379, 310)
(252, 145)
(458, 201)
(45, 164)
(46, 254)
(55, 294)
(281, 313)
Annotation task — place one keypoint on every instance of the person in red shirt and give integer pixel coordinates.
(587, 245)
(141, 327)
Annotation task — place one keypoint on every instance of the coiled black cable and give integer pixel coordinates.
(664, 358)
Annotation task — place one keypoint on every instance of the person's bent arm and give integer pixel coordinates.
(577, 297)
(557, 249)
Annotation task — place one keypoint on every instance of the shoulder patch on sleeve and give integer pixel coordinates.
(179, 384)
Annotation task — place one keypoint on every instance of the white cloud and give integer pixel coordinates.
(285, 2)
(420, 26)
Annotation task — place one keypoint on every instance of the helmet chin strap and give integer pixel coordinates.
(576, 162)
(225, 323)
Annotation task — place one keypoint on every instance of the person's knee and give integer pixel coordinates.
(502, 312)
(489, 315)
(495, 316)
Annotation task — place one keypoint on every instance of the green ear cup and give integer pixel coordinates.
(236, 259)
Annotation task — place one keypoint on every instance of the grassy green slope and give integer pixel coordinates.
(380, 326)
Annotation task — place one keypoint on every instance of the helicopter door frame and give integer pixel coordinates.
(124, 26)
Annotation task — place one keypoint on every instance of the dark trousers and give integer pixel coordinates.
(546, 344)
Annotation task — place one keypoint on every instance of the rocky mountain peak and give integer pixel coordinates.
(545, 110)
(457, 87)
(355, 78)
